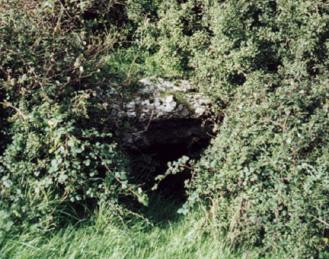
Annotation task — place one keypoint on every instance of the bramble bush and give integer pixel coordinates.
(264, 63)
(60, 154)
(265, 175)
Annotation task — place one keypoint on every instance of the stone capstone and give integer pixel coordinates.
(163, 112)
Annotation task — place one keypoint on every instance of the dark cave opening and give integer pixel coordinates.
(167, 141)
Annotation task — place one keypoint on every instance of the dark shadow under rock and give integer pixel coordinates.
(163, 121)
(163, 142)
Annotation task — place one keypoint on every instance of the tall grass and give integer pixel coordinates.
(164, 235)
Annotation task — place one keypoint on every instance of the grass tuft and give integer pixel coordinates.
(104, 237)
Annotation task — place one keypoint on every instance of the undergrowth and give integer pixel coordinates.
(102, 236)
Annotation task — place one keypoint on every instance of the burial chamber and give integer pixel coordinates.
(163, 121)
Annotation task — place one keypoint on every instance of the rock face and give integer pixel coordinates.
(160, 122)
(158, 99)
(162, 113)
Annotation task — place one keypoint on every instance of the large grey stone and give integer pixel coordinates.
(163, 112)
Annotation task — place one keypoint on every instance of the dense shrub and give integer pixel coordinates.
(53, 84)
(53, 164)
(264, 63)
(265, 176)
(174, 35)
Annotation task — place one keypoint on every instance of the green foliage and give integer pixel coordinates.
(174, 168)
(103, 237)
(52, 164)
(267, 172)
(127, 65)
(61, 156)
(176, 34)
(265, 176)
(265, 63)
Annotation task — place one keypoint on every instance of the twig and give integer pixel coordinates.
(9, 105)
(323, 222)
(150, 120)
